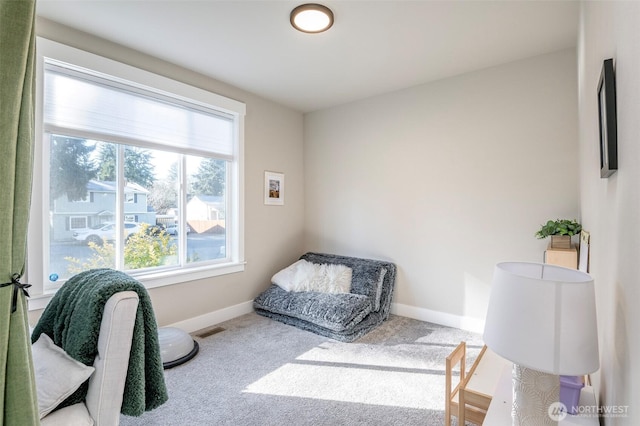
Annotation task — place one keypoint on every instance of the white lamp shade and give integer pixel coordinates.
(543, 317)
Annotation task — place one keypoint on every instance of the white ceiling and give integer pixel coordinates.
(374, 47)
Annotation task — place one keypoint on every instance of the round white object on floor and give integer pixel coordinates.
(176, 346)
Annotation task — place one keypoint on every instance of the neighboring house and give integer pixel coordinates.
(206, 212)
(205, 207)
(97, 208)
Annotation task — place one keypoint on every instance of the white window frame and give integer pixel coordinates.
(38, 237)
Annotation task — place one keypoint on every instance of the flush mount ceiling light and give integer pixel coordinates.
(311, 18)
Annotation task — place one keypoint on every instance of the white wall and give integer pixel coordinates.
(611, 207)
(273, 234)
(446, 179)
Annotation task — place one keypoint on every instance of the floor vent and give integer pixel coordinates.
(206, 332)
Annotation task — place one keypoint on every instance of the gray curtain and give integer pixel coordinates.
(18, 399)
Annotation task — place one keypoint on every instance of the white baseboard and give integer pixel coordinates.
(475, 325)
(207, 320)
(211, 318)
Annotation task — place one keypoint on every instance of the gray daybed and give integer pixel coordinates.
(343, 316)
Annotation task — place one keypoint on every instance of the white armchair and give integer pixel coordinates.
(106, 385)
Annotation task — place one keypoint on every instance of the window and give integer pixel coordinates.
(77, 222)
(159, 161)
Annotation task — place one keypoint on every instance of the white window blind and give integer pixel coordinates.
(98, 106)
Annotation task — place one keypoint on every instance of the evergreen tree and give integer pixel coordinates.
(137, 165)
(107, 170)
(210, 178)
(71, 167)
(172, 176)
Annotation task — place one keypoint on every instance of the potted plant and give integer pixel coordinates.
(560, 231)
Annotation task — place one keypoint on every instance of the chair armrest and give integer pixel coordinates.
(106, 385)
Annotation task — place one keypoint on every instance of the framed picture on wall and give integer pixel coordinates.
(274, 188)
(608, 127)
(583, 263)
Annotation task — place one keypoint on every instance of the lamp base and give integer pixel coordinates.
(535, 394)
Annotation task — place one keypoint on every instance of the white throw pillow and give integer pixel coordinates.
(307, 276)
(73, 415)
(57, 374)
(287, 277)
(332, 278)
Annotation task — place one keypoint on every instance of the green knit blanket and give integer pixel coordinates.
(72, 320)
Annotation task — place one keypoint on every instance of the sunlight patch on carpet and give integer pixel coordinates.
(397, 356)
(356, 385)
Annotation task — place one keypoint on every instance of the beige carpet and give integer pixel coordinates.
(261, 372)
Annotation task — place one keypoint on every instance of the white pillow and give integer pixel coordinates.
(307, 276)
(73, 415)
(287, 278)
(57, 374)
(331, 278)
